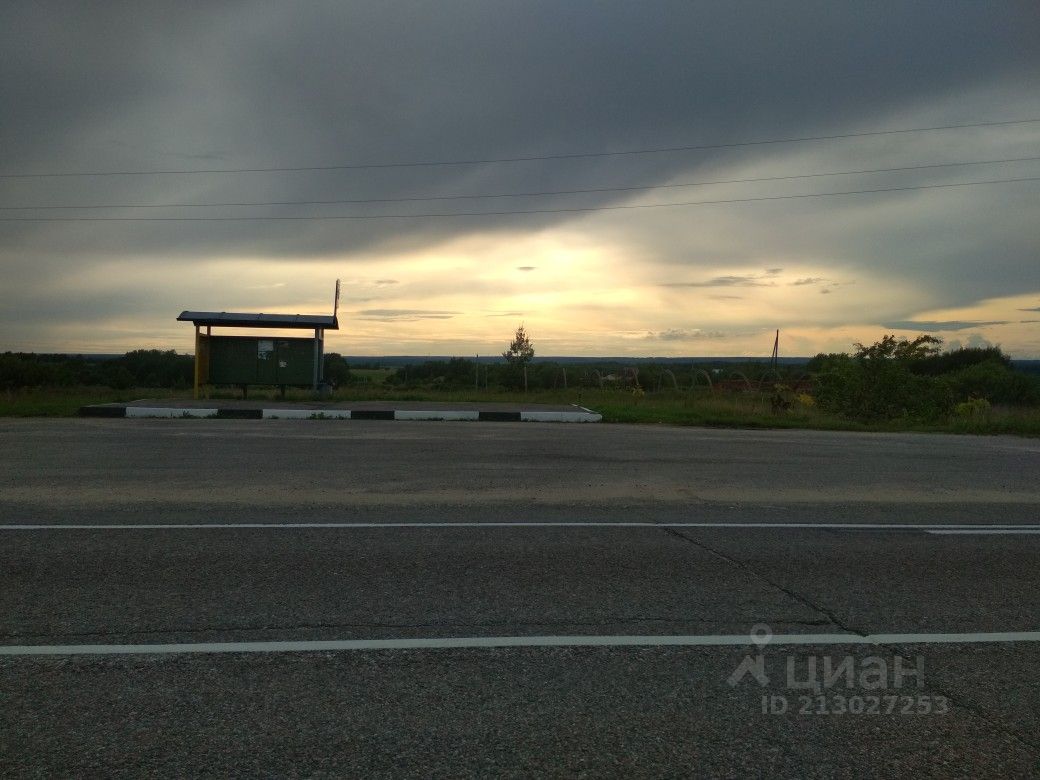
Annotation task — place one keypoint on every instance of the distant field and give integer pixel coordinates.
(732, 410)
(375, 376)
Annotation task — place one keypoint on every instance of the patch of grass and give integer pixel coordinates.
(375, 376)
(66, 401)
(1000, 419)
(737, 410)
(754, 410)
(729, 410)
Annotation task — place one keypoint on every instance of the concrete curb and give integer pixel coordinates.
(580, 415)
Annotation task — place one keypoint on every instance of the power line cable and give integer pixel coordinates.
(527, 211)
(533, 158)
(633, 188)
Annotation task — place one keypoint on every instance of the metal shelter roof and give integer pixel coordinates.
(230, 319)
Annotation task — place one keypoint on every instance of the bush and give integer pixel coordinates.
(892, 379)
(996, 382)
(156, 368)
(973, 409)
(959, 359)
(457, 373)
(118, 377)
(877, 383)
(335, 369)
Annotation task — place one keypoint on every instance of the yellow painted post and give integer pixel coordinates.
(197, 342)
(204, 375)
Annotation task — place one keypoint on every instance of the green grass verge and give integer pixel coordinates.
(737, 410)
(66, 401)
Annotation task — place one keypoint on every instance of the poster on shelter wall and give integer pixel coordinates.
(264, 349)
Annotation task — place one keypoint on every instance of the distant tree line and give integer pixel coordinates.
(889, 379)
(140, 368)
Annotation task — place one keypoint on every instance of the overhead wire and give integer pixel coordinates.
(518, 159)
(592, 190)
(563, 210)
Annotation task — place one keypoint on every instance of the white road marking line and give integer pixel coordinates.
(484, 642)
(929, 527)
(983, 531)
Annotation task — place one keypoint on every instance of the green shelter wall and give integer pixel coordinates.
(258, 360)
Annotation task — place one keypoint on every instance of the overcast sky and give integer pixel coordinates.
(127, 89)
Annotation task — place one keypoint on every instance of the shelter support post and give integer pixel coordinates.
(317, 359)
(197, 356)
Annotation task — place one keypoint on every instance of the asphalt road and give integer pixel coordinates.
(571, 538)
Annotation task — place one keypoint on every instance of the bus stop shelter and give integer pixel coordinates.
(262, 359)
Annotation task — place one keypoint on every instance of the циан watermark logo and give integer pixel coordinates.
(811, 684)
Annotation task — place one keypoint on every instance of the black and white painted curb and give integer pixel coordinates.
(579, 415)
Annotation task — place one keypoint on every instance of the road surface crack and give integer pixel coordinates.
(803, 600)
(983, 714)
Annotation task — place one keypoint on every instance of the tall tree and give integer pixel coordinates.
(520, 352)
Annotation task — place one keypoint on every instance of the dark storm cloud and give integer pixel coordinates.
(147, 86)
(143, 87)
(62, 307)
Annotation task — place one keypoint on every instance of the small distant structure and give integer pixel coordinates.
(260, 360)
